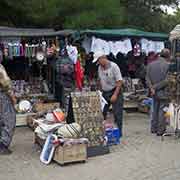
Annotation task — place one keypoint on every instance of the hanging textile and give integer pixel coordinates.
(72, 53)
(151, 46)
(79, 75)
(137, 50)
(127, 46)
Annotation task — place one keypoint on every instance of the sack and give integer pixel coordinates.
(70, 130)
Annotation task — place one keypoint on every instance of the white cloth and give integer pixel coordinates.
(72, 53)
(102, 101)
(171, 111)
(105, 46)
(110, 46)
(95, 46)
(152, 46)
(126, 46)
(113, 47)
(86, 44)
(144, 45)
(148, 46)
(100, 45)
(159, 45)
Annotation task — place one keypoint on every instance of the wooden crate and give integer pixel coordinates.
(31, 122)
(70, 154)
(21, 119)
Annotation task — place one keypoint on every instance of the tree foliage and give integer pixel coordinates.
(81, 14)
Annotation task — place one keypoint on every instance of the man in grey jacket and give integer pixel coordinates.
(157, 82)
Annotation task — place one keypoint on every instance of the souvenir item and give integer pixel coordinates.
(59, 116)
(87, 113)
(24, 106)
(50, 117)
(40, 56)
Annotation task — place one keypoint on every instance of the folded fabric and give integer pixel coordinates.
(49, 127)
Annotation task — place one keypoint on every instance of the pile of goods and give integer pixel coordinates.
(59, 138)
(24, 88)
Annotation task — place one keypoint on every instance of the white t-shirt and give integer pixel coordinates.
(108, 77)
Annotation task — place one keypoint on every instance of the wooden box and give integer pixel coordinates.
(21, 119)
(70, 154)
(31, 122)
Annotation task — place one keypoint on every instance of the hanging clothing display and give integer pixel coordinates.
(126, 46)
(100, 45)
(174, 114)
(79, 75)
(113, 47)
(145, 45)
(18, 48)
(137, 50)
(159, 46)
(151, 46)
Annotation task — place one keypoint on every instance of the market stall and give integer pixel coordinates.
(173, 88)
(131, 50)
(26, 54)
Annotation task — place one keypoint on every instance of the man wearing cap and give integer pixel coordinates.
(157, 82)
(111, 85)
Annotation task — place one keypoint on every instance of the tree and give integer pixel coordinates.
(94, 14)
(146, 14)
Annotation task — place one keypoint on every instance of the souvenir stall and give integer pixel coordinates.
(76, 124)
(131, 50)
(173, 88)
(25, 53)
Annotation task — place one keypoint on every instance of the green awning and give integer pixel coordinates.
(115, 33)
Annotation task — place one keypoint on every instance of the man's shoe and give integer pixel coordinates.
(153, 132)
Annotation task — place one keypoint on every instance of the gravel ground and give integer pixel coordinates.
(140, 156)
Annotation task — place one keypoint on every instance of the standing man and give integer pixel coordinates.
(156, 79)
(111, 85)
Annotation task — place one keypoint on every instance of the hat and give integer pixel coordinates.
(97, 55)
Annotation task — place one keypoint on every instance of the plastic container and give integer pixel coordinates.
(113, 136)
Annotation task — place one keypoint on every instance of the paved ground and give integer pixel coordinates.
(141, 156)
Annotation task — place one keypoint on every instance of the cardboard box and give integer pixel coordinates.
(70, 154)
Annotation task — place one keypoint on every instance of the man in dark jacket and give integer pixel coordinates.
(156, 79)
